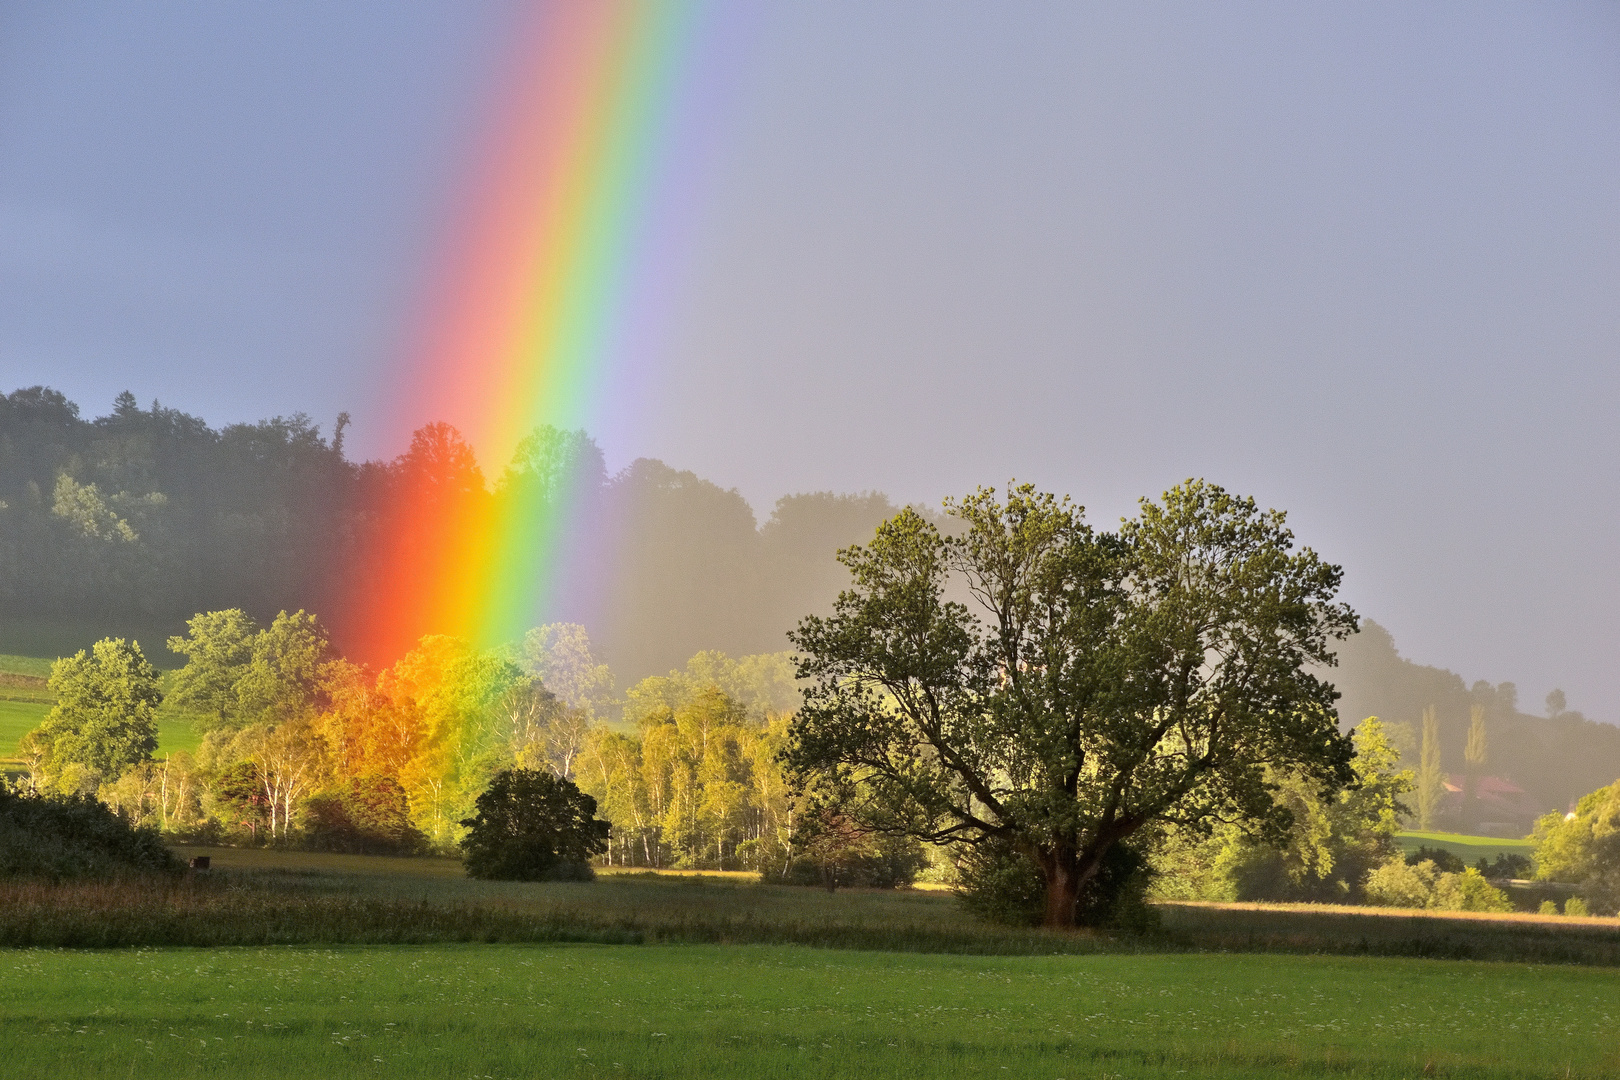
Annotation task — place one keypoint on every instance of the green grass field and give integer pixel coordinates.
(18, 718)
(1468, 848)
(32, 666)
(754, 1011)
(343, 965)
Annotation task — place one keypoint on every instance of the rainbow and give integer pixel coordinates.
(536, 311)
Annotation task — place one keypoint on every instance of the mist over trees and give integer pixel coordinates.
(1556, 757)
(135, 520)
(129, 523)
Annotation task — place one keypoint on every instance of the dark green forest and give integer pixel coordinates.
(131, 522)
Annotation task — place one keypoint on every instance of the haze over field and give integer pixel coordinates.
(1360, 263)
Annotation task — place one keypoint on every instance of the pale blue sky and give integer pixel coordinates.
(1360, 260)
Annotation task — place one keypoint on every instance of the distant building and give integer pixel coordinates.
(1499, 808)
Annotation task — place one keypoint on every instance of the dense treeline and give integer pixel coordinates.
(136, 519)
(143, 516)
(304, 748)
(150, 512)
(301, 746)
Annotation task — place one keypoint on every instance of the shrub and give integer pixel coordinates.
(369, 815)
(1548, 908)
(1399, 883)
(1575, 906)
(1468, 891)
(833, 852)
(74, 838)
(1601, 891)
(1444, 861)
(1117, 897)
(1506, 865)
(1001, 884)
(533, 826)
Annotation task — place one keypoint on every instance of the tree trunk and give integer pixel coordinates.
(1063, 881)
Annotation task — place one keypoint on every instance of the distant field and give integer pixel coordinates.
(175, 735)
(24, 705)
(24, 665)
(18, 718)
(29, 638)
(1468, 848)
(721, 1012)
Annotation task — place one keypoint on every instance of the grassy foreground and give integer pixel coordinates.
(751, 1011)
(268, 897)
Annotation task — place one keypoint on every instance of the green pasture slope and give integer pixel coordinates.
(1468, 848)
(18, 718)
(22, 707)
(32, 666)
(761, 1011)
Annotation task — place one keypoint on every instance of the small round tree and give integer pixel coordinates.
(533, 826)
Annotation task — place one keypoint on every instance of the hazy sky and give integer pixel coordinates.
(1359, 260)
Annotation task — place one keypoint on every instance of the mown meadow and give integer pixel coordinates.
(771, 1011)
(283, 961)
(1470, 849)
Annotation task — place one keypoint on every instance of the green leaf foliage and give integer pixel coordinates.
(366, 815)
(74, 837)
(1584, 848)
(533, 826)
(1399, 883)
(237, 674)
(105, 717)
(1333, 842)
(1032, 682)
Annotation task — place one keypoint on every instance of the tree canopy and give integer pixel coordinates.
(1584, 847)
(237, 674)
(105, 717)
(1030, 681)
(533, 826)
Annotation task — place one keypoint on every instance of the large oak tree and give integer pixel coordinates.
(1030, 681)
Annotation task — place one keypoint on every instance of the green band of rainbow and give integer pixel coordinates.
(532, 313)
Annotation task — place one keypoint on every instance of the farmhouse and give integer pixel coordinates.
(1498, 807)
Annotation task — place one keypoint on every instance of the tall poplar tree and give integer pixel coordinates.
(1431, 776)
(1474, 755)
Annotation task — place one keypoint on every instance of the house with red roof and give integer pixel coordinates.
(1495, 806)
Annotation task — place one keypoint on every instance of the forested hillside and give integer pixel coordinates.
(133, 521)
(1557, 756)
